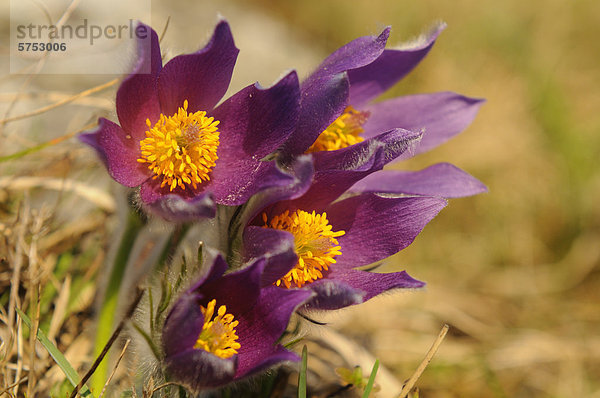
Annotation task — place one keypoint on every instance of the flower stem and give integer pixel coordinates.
(107, 313)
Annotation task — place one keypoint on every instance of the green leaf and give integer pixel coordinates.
(58, 357)
(371, 381)
(182, 274)
(165, 298)
(302, 375)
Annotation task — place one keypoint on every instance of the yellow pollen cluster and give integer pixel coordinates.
(182, 149)
(218, 335)
(315, 244)
(343, 132)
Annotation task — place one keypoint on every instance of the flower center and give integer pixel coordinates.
(218, 335)
(343, 132)
(181, 149)
(315, 244)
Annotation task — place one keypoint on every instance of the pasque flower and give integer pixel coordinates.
(185, 153)
(319, 247)
(337, 112)
(226, 327)
(314, 234)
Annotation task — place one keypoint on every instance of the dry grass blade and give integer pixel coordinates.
(16, 258)
(115, 368)
(434, 347)
(167, 384)
(60, 308)
(56, 96)
(57, 104)
(72, 230)
(46, 144)
(164, 32)
(15, 384)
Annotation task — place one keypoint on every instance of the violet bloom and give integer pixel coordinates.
(185, 153)
(338, 113)
(316, 240)
(225, 328)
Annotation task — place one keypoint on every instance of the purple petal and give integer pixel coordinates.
(377, 227)
(263, 360)
(118, 152)
(260, 328)
(300, 172)
(256, 121)
(276, 247)
(201, 78)
(199, 369)
(217, 269)
(323, 100)
(238, 291)
(234, 184)
(183, 325)
(443, 180)
(333, 294)
(177, 209)
(441, 116)
(137, 98)
(344, 287)
(356, 54)
(336, 171)
(325, 92)
(371, 154)
(151, 191)
(378, 76)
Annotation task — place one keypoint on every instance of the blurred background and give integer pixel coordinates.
(515, 272)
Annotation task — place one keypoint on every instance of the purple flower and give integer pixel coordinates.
(315, 241)
(185, 153)
(225, 328)
(337, 113)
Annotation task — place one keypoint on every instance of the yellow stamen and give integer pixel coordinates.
(315, 244)
(181, 149)
(218, 335)
(343, 132)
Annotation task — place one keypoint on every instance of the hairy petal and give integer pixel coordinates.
(174, 208)
(344, 287)
(336, 171)
(392, 65)
(356, 54)
(440, 116)
(276, 247)
(325, 92)
(300, 173)
(442, 179)
(199, 369)
(332, 294)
